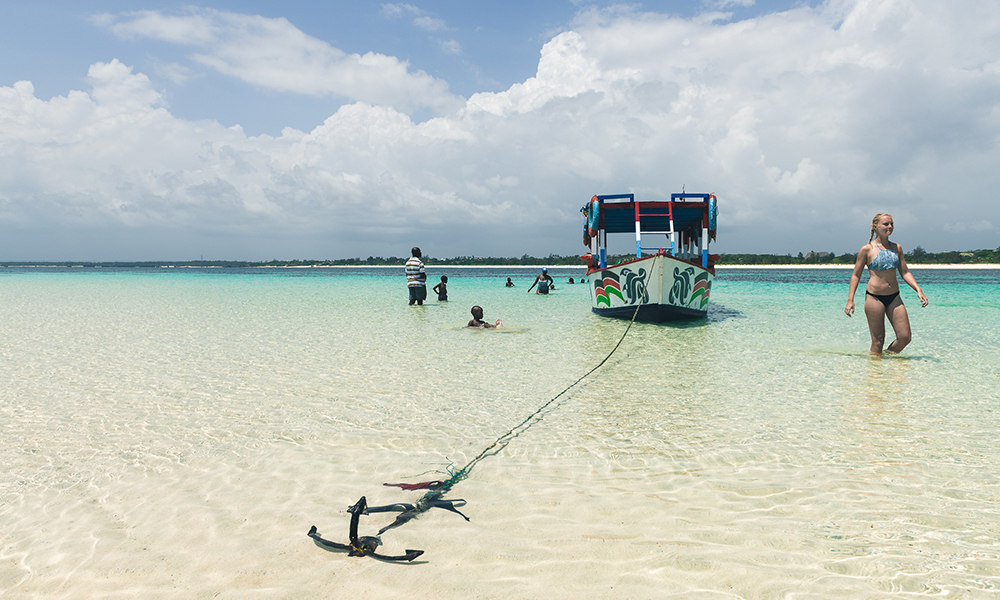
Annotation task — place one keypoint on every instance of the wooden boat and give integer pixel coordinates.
(668, 281)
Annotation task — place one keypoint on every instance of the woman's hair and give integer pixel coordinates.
(875, 221)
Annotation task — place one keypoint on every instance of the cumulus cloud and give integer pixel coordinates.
(274, 54)
(805, 123)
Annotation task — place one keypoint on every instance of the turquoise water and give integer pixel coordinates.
(174, 433)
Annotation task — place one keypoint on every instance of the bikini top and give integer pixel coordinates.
(886, 259)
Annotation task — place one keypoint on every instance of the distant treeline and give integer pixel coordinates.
(917, 256)
(371, 261)
(474, 261)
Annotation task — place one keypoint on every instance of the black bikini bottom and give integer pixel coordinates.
(886, 300)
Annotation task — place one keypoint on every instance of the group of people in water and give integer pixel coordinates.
(416, 283)
(882, 300)
(544, 282)
(416, 280)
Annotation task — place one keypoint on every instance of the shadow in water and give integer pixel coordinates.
(863, 354)
(718, 312)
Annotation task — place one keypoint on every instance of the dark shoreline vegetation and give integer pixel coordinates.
(918, 256)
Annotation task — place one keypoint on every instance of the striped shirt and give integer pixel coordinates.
(415, 276)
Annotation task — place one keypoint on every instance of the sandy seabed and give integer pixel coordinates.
(176, 435)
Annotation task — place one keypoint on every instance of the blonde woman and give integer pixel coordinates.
(882, 299)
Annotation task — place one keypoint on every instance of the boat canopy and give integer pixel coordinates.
(688, 221)
(619, 217)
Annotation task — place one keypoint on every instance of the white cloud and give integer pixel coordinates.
(727, 3)
(174, 72)
(969, 226)
(190, 30)
(564, 70)
(451, 47)
(420, 17)
(114, 85)
(808, 178)
(805, 123)
(430, 23)
(399, 10)
(274, 54)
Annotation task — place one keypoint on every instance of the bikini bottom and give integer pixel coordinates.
(886, 300)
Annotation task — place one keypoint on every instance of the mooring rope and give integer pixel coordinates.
(366, 546)
(501, 442)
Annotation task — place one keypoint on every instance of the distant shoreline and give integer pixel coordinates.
(717, 267)
(433, 266)
(849, 267)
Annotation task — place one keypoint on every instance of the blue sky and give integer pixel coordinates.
(252, 130)
(474, 47)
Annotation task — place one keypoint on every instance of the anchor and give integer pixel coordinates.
(363, 546)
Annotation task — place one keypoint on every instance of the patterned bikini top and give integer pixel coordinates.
(886, 259)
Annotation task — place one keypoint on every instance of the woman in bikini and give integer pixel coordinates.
(882, 299)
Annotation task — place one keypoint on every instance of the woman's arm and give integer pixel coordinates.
(859, 267)
(904, 272)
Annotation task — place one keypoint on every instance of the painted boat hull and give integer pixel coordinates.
(674, 290)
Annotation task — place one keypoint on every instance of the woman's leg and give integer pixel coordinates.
(875, 312)
(900, 321)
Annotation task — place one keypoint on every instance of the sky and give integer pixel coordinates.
(253, 130)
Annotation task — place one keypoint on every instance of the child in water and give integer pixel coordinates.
(441, 289)
(477, 319)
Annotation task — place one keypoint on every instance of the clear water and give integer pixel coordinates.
(175, 433)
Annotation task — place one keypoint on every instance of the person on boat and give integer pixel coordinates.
(882, 298)
(441, 289)
(510, 283)
(544, 282)
(416, 278)
(478, 322)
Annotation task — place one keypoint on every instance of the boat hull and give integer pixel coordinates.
(662, 287)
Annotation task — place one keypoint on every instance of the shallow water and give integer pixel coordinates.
(174, 433)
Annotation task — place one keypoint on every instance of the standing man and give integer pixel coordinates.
(416, 278)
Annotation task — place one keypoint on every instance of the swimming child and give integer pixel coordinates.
(477, 319)
(510, 283)
(441, 289)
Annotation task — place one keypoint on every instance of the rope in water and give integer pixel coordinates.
(501, 442)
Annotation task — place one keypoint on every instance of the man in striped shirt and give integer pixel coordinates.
(416, 279)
